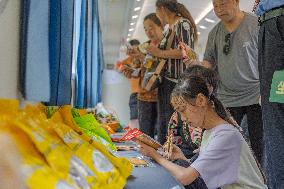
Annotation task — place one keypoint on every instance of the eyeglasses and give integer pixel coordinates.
(227, 46)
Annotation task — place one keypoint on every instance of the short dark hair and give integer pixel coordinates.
(153, 17)
(133, 42)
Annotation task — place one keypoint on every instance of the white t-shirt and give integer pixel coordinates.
(226, 161)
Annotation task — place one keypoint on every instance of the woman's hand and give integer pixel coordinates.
(155, 51)
(177, 154)
(147, 150)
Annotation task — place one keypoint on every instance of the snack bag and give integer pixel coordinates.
(122, 164)
(9, 106)
(89, 125)
(91, 156)
(142, 137)
(66, 113)
(34, 168)
(59, 157)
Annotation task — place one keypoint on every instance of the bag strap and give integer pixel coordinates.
(161, 63)
(169, 44)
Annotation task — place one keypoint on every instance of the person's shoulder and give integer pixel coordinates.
(251, 23)
(183, 20)
(251, 18)
(215, 29)
(227, 130)
(184, 23)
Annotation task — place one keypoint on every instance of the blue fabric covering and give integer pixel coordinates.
(266, 5)
(90, 56)
(34, 66)
(60, 45)
(46, 50)
(81, 59)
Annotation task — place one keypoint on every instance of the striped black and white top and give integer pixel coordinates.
(183, 33)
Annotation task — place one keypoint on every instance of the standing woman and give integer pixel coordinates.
(182, 24)
(147, 100)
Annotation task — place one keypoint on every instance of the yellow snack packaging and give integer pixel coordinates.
(9, 106)
(34, 168)
(122, 164)
(91, 156)
(59, 157)
(107, 174)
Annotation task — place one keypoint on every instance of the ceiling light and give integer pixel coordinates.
(137, 8)
(138, 0)
(209, 20)
(204, 13)
(198, 33)
(129, 35)
(135, 16)
(203, 27)
(132, 23)
(128, 39)
(131, 29)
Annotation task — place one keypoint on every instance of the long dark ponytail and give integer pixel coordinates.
(178, 8)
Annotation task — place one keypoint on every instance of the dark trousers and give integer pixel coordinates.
(271, 59)
(255, 127)
(165, 109)
(147, 116)
(133, 106)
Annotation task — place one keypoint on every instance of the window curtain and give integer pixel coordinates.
(89, 64)
(46, 50)
(34, 57)
(60, 50)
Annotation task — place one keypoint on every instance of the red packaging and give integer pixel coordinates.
(142, 137)
(134, 133)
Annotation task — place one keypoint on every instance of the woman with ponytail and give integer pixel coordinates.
(179, 20)
(225, 160)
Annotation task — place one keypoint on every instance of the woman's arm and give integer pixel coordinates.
(184, 175)
(171, 53)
